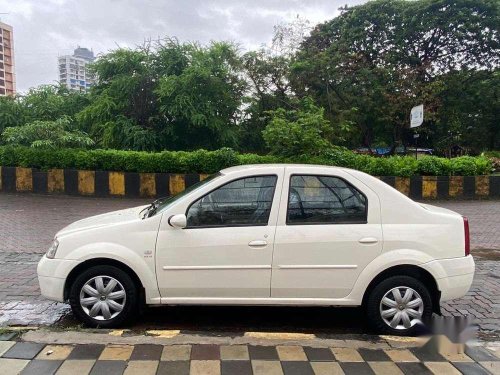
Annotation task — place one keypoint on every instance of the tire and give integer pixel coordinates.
(110, 316)
(417, 313)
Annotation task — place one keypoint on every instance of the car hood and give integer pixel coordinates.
(103, 220)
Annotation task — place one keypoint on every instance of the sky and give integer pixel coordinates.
(46, 29)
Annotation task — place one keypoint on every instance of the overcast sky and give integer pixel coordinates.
(46, 29)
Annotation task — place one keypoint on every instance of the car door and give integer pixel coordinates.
(226, 249)
(329, 229)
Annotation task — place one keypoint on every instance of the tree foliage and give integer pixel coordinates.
(166, 95)
(351, 81)
(47, 134)
(43, 103)
(375, 61)
(302, 131)
(267, 71)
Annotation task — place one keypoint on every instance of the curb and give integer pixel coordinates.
(174, 337)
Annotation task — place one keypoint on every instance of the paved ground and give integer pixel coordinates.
(29, 222)
(211, 359)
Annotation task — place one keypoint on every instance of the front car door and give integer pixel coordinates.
(226, 249)
(329, 229)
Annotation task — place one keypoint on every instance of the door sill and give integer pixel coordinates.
(260, 301)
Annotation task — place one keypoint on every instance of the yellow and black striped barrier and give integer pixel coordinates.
(132, 184)
(446, 187)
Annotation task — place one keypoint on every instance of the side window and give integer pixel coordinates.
(246, 201)
(324, 200)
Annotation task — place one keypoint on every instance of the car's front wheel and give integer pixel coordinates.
(104, 296)
(398, 305)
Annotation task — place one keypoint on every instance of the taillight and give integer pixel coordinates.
(467, 236)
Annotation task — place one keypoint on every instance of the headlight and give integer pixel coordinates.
(51, 252)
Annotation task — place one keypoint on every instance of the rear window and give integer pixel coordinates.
(314, 199)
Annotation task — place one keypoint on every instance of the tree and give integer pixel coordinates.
(202, 101)
(267, 71)
(166, 95)
(122, 112)
(43, 103)
(48, 134)
(372, 63)
(469, 111)
(301, 131)
(50, 102)
(269, 89)
(12, 112)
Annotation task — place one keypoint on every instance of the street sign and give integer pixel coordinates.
(417, 116)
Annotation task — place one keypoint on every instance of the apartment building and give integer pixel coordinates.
(73, 70)
(7, 75)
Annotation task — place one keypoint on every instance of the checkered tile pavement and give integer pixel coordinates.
(144, 359)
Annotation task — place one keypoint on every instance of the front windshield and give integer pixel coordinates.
(168, 201)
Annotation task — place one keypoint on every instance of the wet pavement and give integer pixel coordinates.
(29, 222)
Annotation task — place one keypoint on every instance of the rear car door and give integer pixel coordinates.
(329, 229)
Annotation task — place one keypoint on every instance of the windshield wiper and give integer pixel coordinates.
(151, 209)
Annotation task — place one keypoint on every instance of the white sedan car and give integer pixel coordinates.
(266, 235)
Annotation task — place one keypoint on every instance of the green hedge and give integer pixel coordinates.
(202, 161)
(492, 154)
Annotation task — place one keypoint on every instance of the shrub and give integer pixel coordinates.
(470, 166)
(491, 154)
(203, 161)
(433, 166)
(494, 158)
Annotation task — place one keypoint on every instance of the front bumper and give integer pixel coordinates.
(52, 288)
(52, 274)
(453, 276)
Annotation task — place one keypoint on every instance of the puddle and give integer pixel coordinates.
(23, 313)
(236, 320)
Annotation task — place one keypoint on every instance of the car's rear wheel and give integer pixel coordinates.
(398, 305)
(104, 296)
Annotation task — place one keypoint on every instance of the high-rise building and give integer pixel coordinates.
(7, 76)
(73, 70)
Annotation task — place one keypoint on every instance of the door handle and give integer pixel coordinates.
(257, 243)
(368, 240)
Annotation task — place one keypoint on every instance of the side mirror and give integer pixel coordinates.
(178, 221)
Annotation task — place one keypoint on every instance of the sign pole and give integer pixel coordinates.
(416, 146)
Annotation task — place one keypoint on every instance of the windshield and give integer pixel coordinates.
(168, 201)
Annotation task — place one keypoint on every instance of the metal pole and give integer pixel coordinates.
(416, 146)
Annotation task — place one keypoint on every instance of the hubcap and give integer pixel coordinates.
(401, 307)
(102, 297)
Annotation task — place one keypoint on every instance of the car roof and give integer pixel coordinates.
(239, 168)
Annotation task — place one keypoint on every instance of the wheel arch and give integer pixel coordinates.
(408, 270)
(70, 279)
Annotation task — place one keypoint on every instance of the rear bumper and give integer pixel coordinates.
(455, 286)
(453, 276)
